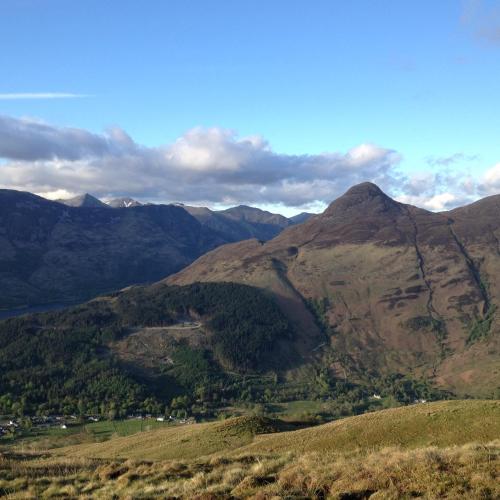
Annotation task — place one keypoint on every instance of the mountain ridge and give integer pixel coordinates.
(51, 252)
(371, 297)
(85, 200)
(71, 250)
(125, 202)
(235, 223)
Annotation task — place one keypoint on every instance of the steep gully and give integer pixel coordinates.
(421, 265)
(474, 271)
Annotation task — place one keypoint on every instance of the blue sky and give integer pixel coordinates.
(418, 78)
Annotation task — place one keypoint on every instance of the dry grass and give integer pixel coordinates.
(446, 450)
(443, 423)
(468, 471)
(178, 442)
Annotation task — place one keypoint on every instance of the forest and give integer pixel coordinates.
(60, 363)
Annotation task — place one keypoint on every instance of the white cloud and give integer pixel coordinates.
(212, 149)
(437, 202)
(203, 166)
(490, 183)
(211, 166)
(27, 139)
(446, 161)
(366, 154)
(58, 194)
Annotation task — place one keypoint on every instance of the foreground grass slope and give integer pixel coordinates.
(469, 471)
(354, 458)
(445, 423)
(179, 442)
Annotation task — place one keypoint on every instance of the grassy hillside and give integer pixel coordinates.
(443, 423)
(440, 424)
(469, 471)
(382, 455)
(180, 442)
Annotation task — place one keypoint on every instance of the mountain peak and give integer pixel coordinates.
(125, 202)
(366, 189)
(255, 215)
(302, 217)
(83, 200)
(363, 198)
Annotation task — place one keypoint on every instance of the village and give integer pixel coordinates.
(13, 426)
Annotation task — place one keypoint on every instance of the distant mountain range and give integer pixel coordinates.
(71, 250)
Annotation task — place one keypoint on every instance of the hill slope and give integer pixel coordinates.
(180, 442)
(440, 424)
(166, 463)
(443, 423)
(394, 287)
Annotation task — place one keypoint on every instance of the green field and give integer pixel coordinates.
(80, 433)
(106, 428)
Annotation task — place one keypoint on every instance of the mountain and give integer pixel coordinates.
(261, 224)
(87, 200)
(51, 252)
(84, 200)
(234, 224)
(256, 216)
(300, 218)
(371, 297)
(71, 250)
(123, 203)
(388, 287)
(241, 223)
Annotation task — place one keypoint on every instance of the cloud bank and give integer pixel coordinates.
(211, 166)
